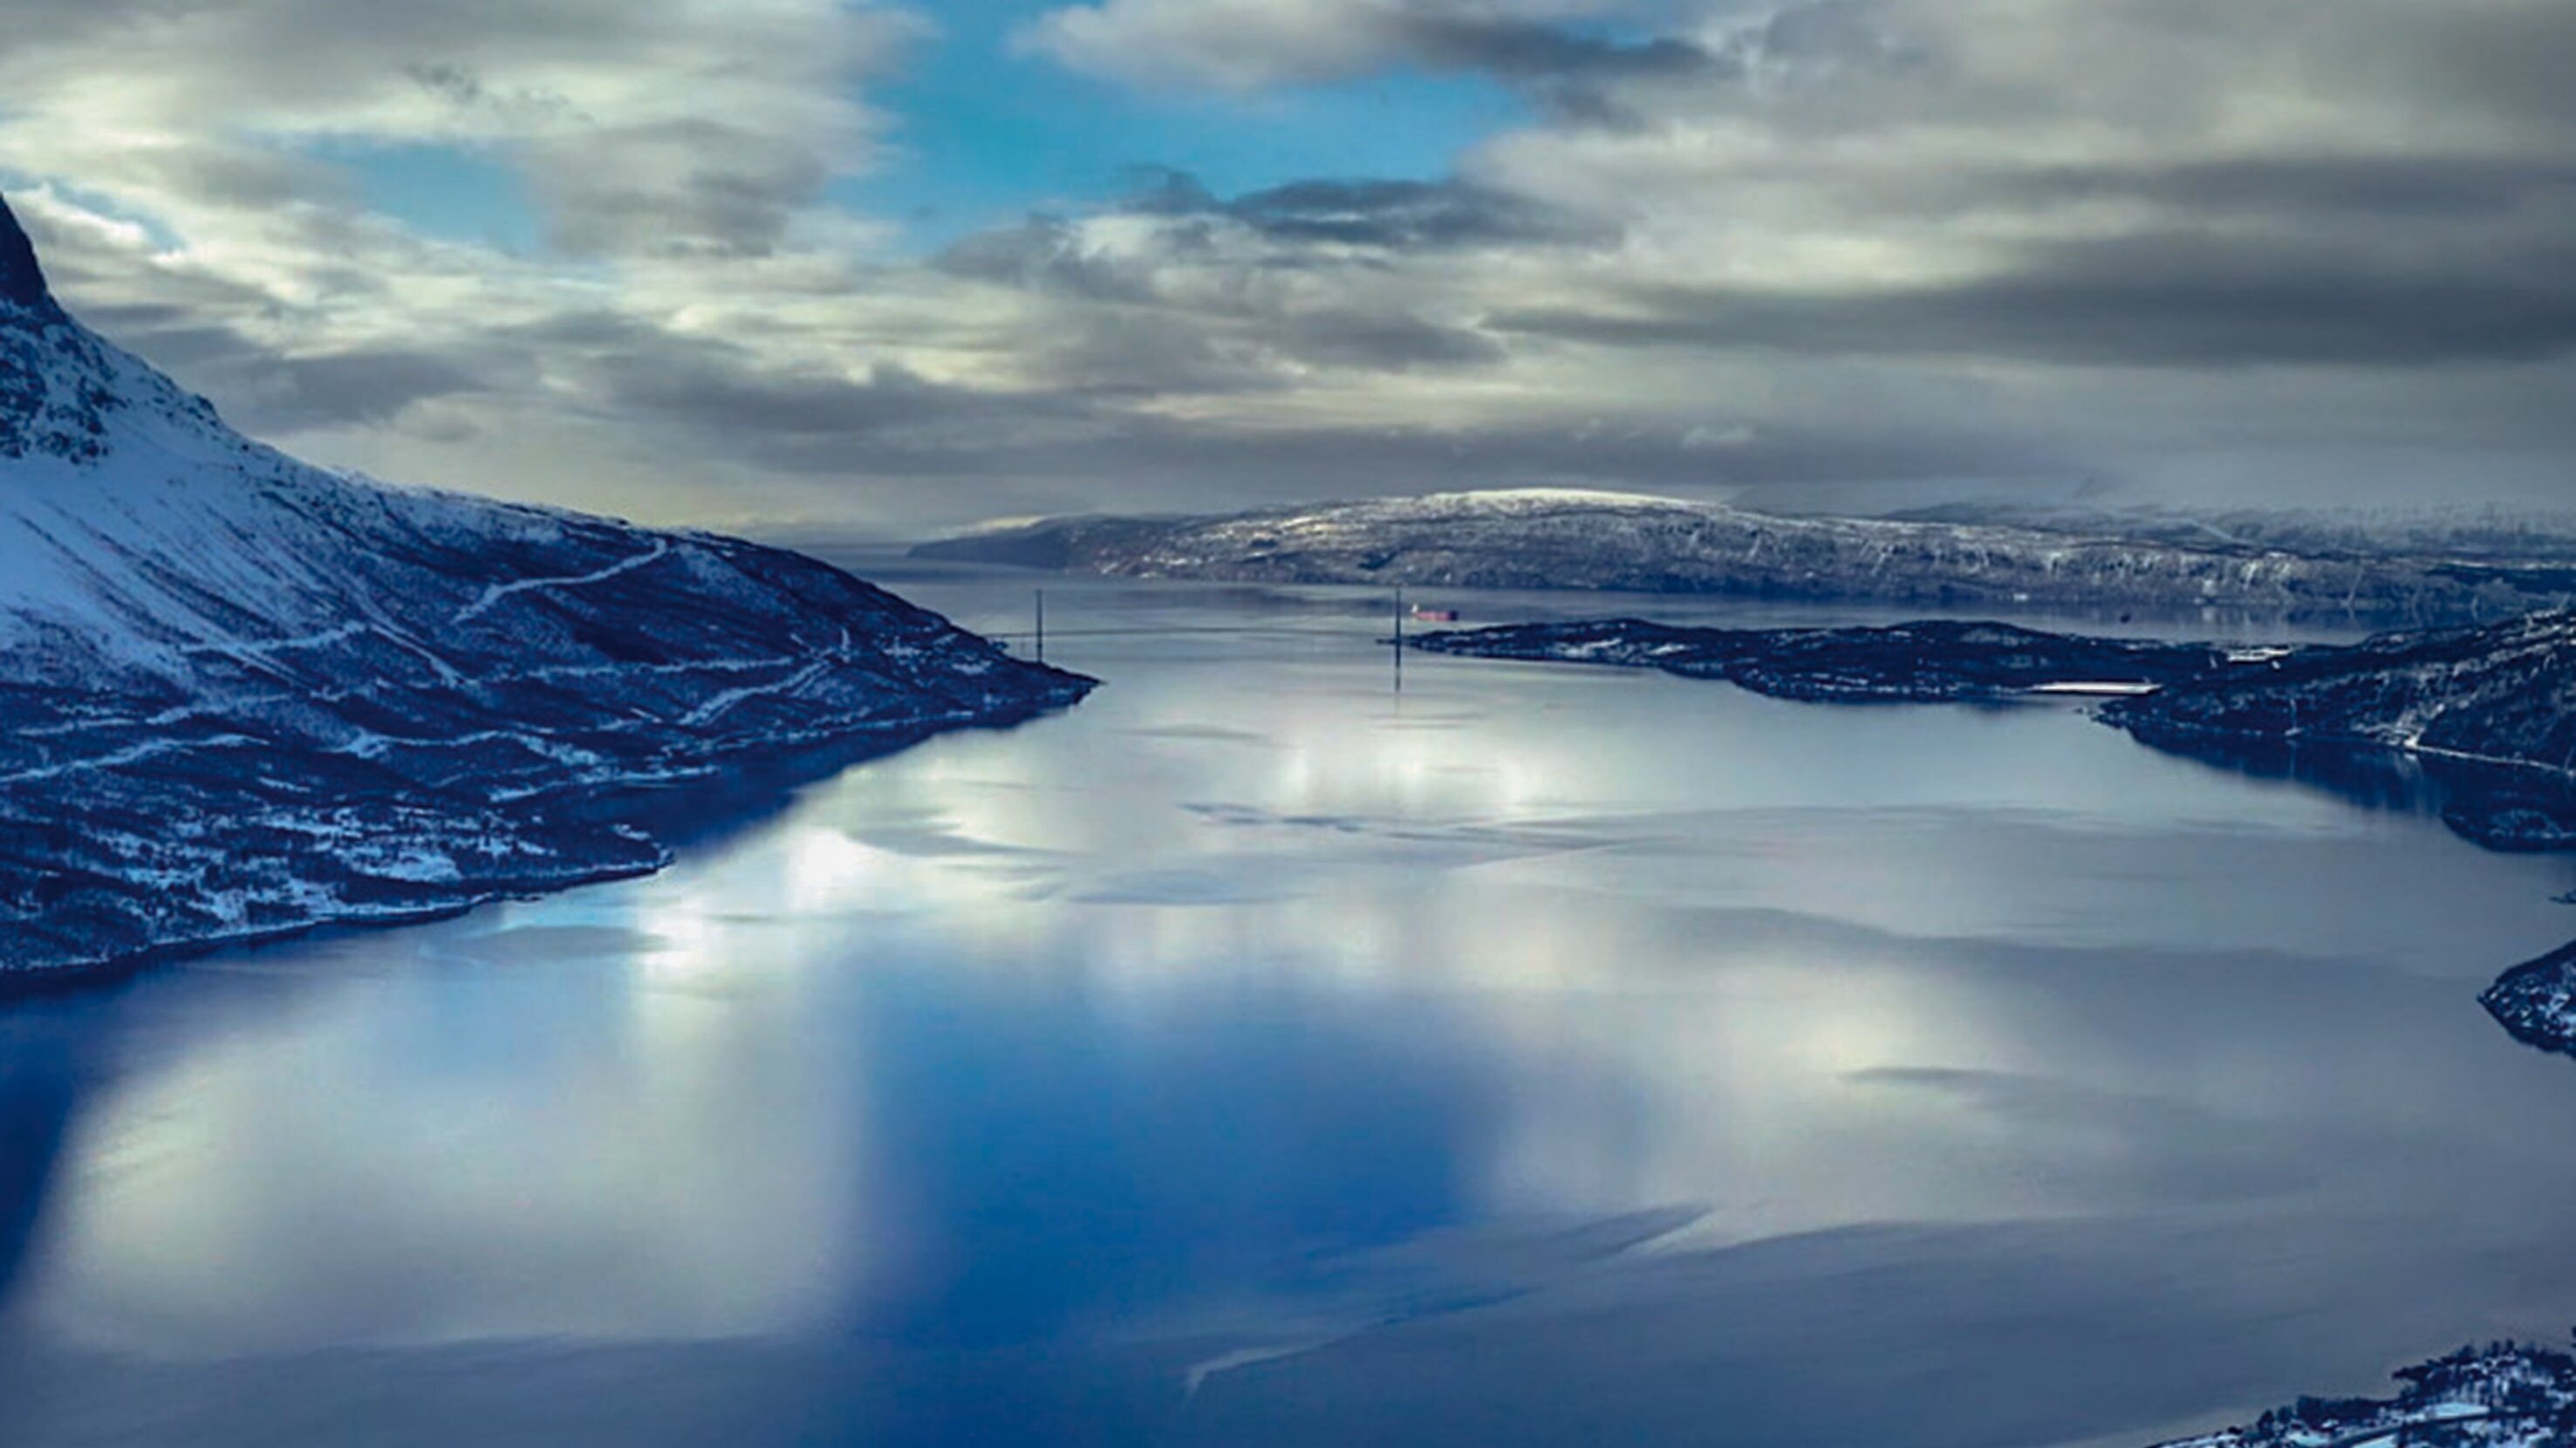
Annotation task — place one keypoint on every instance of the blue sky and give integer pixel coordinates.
(444, 191)
(988, 135)
(984, 134)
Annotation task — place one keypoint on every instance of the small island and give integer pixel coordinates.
(2536, 1002)
(1937, 661)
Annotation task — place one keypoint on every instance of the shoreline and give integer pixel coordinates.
(752, 784)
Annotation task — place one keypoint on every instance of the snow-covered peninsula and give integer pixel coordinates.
(243, 696)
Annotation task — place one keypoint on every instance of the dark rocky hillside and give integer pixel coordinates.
(241, 696)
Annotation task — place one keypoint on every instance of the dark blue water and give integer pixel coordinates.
(1257, 1056)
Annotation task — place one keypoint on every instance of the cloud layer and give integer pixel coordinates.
(2303, 248)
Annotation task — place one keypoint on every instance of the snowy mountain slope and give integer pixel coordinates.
(242, 695)
(1551, 538)
(2488, 533)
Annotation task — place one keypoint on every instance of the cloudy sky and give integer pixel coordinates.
(906, 265)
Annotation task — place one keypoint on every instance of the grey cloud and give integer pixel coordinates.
(1368, 213)
(735, 397)
(1713, 213)
(581, 330)
(1151, 463)
(1146, 332)
(1325, 462)
(1412, 215)
(204, 330)
(462, 87)
(681, 188)
(347, 389)
(186, 341)
(2397, 189)
(2171, 300)
(2505, 59)
(1138, 352)
(1579, 77)
(1132, 338)
(265, 392)
(1235, 45)
(179, 344)
(1524, 50)
(1078, 438)
(656, 127)
(114, 292)
(1046, 252)
(728, 399)
(1845, 35)
(194, 326)
(1124, 354)
(1381, 341)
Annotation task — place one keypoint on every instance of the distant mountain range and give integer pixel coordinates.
(2487, 532)
(1561, 539)
(240, 695)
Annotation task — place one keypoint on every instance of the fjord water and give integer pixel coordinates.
(1256, 1055)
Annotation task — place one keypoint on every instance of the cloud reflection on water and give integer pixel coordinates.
(1198, 996)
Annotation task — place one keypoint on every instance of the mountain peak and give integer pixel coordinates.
(240, 696)
(22, 281)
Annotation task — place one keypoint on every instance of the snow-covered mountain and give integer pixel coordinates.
(240, 695)
(1562, 539)
(2484, 534)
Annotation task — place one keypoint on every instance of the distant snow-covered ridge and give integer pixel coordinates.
(241, 696)
(1575, 539)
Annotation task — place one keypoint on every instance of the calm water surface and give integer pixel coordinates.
(1255, 1056)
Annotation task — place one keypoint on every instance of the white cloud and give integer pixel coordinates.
(2312, 240)
(1244, 45)
(720, 117)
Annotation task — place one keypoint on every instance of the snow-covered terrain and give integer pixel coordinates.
(2494, 707)
(1930, 662)
(2479, 535)
(2491, 710)
(2500, 1396)
(243, 696)
(2536, 1002)
(1564, 539)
